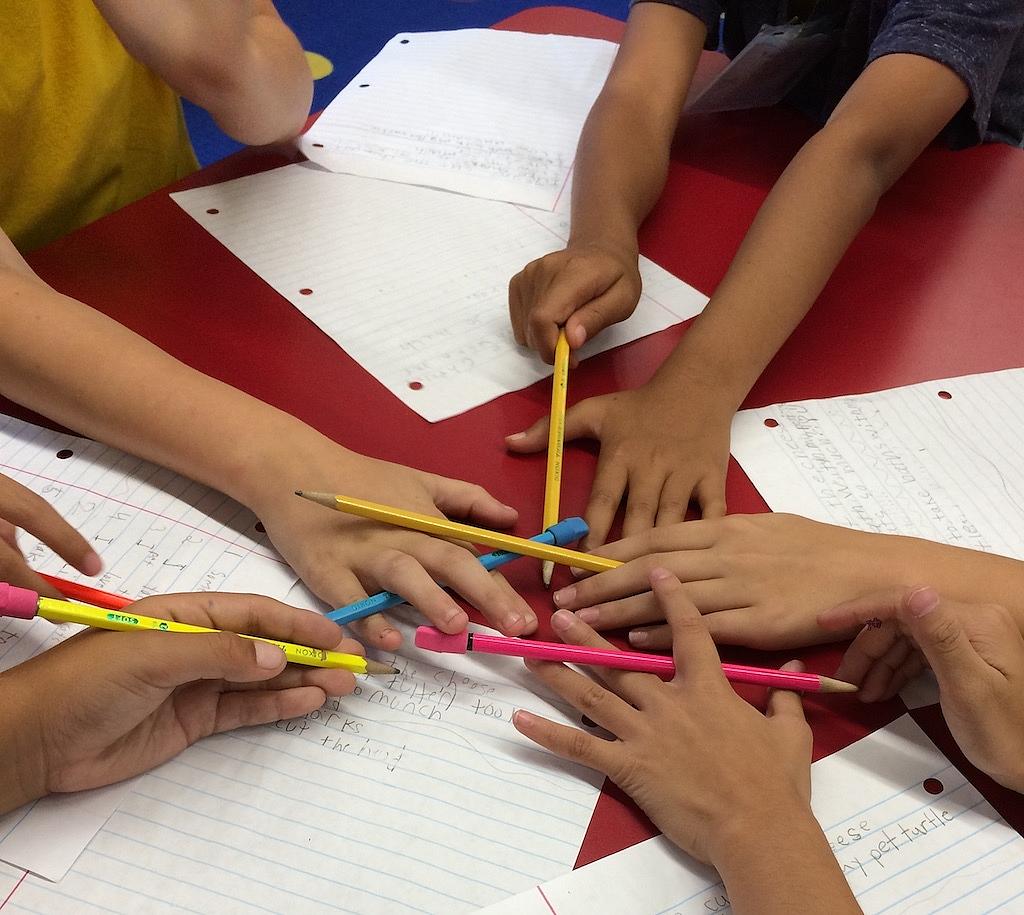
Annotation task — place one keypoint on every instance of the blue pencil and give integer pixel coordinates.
(566, 531)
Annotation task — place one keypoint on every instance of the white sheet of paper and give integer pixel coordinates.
(904, 461)
(412, 283)
(902, 848)
(414, 795)
(937, 460)
(482, 112)
(156, 532)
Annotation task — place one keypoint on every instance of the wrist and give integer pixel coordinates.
(286, 457)
(708, 368)
(21, 747)
(735, 841)
(622, 245)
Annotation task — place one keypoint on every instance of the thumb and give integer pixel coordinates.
(459, 499)
(937, 628)
(581, 421)
(787, 704)
(169, 660)
(612, 306)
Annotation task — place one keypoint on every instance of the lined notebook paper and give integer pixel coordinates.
(157, 532)
(482, 112)
(938, 460)
(910, 832)
(414, 795)
(412, 283)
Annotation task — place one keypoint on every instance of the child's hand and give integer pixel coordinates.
(20, 507)
(760, 580)
(977, 654)
(109, 705)
(343, 558)
(585, 287)
(660, 448)
(702, 763)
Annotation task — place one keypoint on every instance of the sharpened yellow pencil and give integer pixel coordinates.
(124, 620)
(556, 443)
(441, 527)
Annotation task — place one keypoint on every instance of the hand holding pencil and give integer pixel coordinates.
(118, 704)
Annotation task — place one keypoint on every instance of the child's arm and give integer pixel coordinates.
(80, 368)
(104, 706)
(237, 60)
(620, 169)
(668, 440)
(977, 654)
(750, 817)
(762, 580)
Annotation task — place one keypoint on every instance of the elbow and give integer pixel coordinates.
(262, 100)
(867, 158)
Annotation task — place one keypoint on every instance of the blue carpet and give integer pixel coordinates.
(349, 33)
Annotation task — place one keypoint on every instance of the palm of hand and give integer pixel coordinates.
(95, 747)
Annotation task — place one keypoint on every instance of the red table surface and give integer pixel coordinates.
(931, 288)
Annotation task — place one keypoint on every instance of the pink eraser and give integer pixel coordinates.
(435, 640)
(21, 603)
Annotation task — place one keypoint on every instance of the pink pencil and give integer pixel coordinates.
(434, 640)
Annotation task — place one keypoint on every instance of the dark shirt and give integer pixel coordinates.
(982, 41)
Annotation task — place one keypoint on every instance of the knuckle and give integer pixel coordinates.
(232, 648)
(673, 504)
(590, 698)
(604, 498)
(578, 746)
(640, 508)
(394, 564)
(946, 636)
(628, 774)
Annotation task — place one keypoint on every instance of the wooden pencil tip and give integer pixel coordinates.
(831, 685)
(377, 669)
(321, 498)
(547, 569)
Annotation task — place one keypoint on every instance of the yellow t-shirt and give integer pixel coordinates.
(84, 127)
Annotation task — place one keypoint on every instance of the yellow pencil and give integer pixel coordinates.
(556, 443)
(62, 611)
(440, 527)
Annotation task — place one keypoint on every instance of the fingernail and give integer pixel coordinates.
(576, 573)
(577, 337)
(565, 596)
(922, 602)
(268, 657)
(511, 508)
(513, 621)
(561, 620)
(523, 718)
(589, 615)
(91, 564)
(659, 574)
(515, 437)
(638, 637)
(454, 614)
